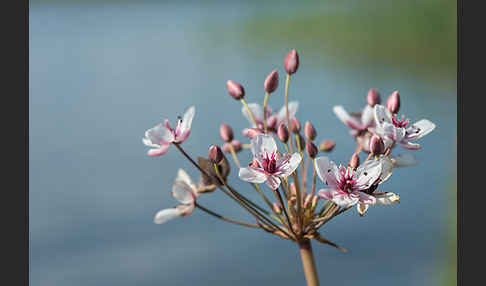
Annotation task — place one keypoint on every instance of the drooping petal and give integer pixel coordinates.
(393, 132)
(340, 198)
(282, 114)
(367, 116)
(159, 151)
(386, 198)
(362, 208)
(186, 209)
(366, 174)
(157, 135)
(257, 111)
(273, 182)
(382, 115)
(166, 214)
(252, 175)
(420, 128)
(386, 168)
(403, 160)
(263, 143)
(409, 145)
(364, 198)
(289, 167)
(183, 176)
(327, 171)
(183, 192)
(347, 119)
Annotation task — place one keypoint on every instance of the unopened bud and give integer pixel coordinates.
(307, 200)
(283, 133)
(327, 145)
(311, 149)
(315, 200)
(393, 102)
(272, 122)
(373, 97)
(295, 125)
(235, 89)
(291, 63)
(271, 82)
(276, 208)
(354, 161)
(226, 133)
(251, 132)
(236, 146)
(376, 145)
(215, 154)
(309, 131)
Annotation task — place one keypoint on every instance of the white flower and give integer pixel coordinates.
(160, 138)
(271, 166)
(273, 120)
(392, 129)
(358, 126)
(183, 191)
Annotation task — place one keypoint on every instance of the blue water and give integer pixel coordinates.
(100, 75)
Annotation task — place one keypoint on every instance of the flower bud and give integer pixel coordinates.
(354, 161)
(307, 200)
(376, 145)
(235, 89)
(251, 132)
(236, 146)
(295, 125)
(215, 154)
(272, 122)
(291, 63)
(327, 145)
(314, 202)
(226, 133)
(283, 133)
(311, 149)
(309, 131)
(373, 97)
(276, 208)
(393, 102)
(271, 82)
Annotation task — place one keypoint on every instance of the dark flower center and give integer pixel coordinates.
(399, 123)
(269, 163)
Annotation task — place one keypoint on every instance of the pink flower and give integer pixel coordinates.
(394, 129)
(358, 126)
(160, 137)
(183, 191)
(271, 166)
(347, 186)
(273, 120)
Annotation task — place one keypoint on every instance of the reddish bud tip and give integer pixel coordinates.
(271, 82)
(295, 125)
(226, 133)
(283, 133)
(309, 131)
(373, 97)
(393, 102)
(376, 145)
(354, 161)
(251, 132)
(276, 208)
(311, 149)
(327, 145)
(215, 154)
(291, 63)
(235, 89)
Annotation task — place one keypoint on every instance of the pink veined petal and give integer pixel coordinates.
(327, 171)
(282, 114)
(257, 111)
(184, 177)
(169, 134)
(347, 119)
(159, 151)
(273, 182)
(289, 167)
(386, 198)
(187, 119)
(367, 116)
(252, 175)
(409, 145)
(420, 128)
(263, 143)
(404, 160)
(366, 174)
(183, 192)
(183, 136)
(382, 115)
(364, 198)
(327, 194)
(157, 135)
(166, 215)
(186, 209)
(343, 199)
(362, 208)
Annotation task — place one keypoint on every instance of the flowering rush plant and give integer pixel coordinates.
(283, 156)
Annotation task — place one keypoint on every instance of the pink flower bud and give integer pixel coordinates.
(295, 125)
(251, 132)
(327, 145)
(276, 208)
(272, 122)
(376, 145)
(291, 63)
(226, 133)
(393, 102)
(215, 154)
(235, 89)
(354, 161)
(311, 149)
(283, 133)
(307, 200)
(271, 82)
(236, 146)
(373, 97)
(309, 131)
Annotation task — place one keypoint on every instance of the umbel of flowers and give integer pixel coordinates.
(282, 164)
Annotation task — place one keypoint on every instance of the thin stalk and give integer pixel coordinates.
(308, 263)
(225, 218)
(249, 112)
(279, 198)
(287, 116)
(265, 103)
(314, 173)
(233, 153)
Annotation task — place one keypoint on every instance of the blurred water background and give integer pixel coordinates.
(102, 72)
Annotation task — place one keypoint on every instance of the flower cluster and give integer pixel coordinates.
(283, 165)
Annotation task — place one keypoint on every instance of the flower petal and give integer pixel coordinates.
(187, 119)
(183, 192)
(252, 175)
(157, 135)
(367, 116)
(382, 115)
(184, 177)
(159, 151)
(273, 182)
(341, 199)
(263, 143)
(420, 128)
(327, 171)
(386, 198)
(367, 174)
(409, 145)
(362, 208)
(386, 168)
(186, 209)
(403, 160)
(257, 111)
(167, 214)
(290, 166)
(364, 198)
(347, 119)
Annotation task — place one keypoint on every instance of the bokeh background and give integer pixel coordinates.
(102, 72)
